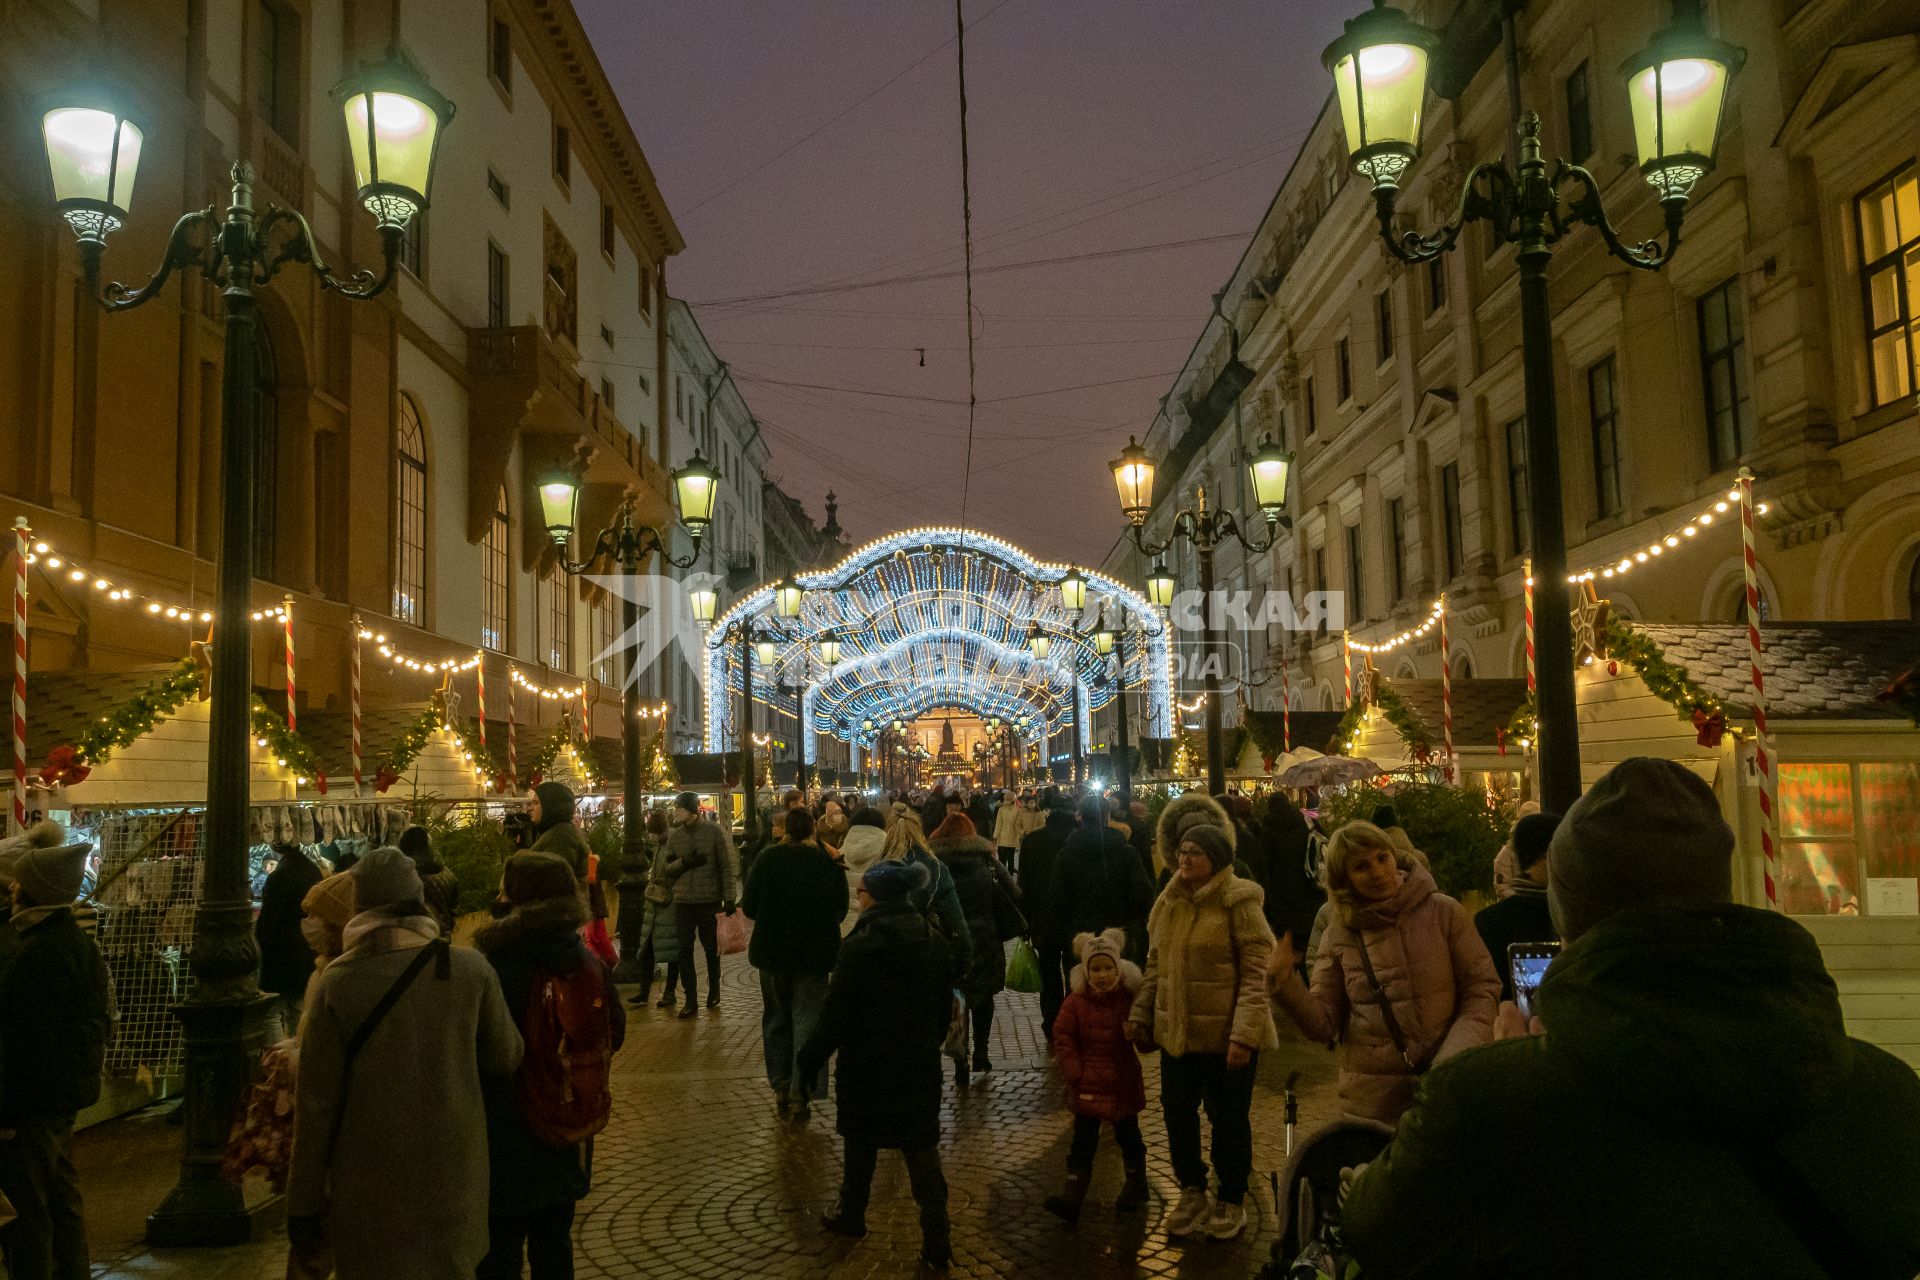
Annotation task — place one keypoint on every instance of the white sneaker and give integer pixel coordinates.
(1226, 1221)
(1189, 1215)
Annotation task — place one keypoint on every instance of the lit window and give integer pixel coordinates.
(559, 619)
(410, 518)
(494, 561)
(1723, 372)
(1889, 216)
(1603, 409)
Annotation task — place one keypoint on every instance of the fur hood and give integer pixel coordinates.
(530, 918)
(1130, 978)
(1180, 812)
(946, 848)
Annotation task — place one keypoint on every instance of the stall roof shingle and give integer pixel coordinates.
(1480, 707)
(1814, 670)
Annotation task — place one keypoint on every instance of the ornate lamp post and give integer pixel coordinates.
(763, 642)
(628, 545)
(394, 120)
(828, 646)
(1267, 472)
(1110, 640)
(1676, 88)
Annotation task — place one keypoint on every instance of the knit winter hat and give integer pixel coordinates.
(331, 901)
(1219, 848)
(892, 881)
(1109, 943)
(556, 803)
(1648, 833)
(955, 826)
(42, 835)
(1531, 836)
(49, 870)
(536, 877)
(383, 877)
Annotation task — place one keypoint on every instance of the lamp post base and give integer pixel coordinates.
(223, 1041)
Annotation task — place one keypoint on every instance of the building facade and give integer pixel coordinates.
(1782, 337)
(400, 442)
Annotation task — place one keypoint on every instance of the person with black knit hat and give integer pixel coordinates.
(553, 829)
(439, 886)
(1691, 1101)
(1524, 915)
(55, 1020)
(705, 872)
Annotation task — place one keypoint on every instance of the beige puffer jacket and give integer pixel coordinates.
(1207, 953)
(1180, 813)
(1434, 969)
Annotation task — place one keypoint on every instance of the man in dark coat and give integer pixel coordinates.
(990, 900)
(286, 961)
(886, 1015)
(1098, 882)
(1692, 1106)
(1294, 897)
(1524, 915)
(796, 897)
(533, 1185)
(1039, 856)
(55, 1021)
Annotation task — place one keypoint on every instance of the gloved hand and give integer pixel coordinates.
(728, 908)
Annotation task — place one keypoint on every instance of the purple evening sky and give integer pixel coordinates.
(812, 146)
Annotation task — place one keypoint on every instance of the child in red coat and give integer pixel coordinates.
(1102, 1070)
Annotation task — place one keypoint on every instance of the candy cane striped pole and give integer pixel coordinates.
(480, 693)
(353, 684)
(1346, 660)
(20, 532)
(513, 758)
(1286, 707)
(1446, 690)
(1527, 574)
(1763, 741)
(286, 613)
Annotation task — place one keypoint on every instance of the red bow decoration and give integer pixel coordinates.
(320, 782)
(63, 768)
(535, 778)
(1422, 753)
(1904, 692)
(1500, 740)
(1709, 729)
(1266, 762)
(502, 783)
(384, 778)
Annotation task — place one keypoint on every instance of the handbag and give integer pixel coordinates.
(1386, 1007)
(1023, 968)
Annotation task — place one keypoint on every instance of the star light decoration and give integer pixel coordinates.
(938, 618)
(1589, 627)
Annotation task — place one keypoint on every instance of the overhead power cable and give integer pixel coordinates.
(966, 236)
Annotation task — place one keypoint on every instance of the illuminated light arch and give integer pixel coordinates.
(939, 617)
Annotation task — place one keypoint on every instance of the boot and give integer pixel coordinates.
(1066, 1205)
(1133, 1192)
(842, 1222)
(960, 1077)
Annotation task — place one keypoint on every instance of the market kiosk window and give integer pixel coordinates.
(1850, 838)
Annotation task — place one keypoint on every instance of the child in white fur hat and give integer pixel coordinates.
(1102, 1070)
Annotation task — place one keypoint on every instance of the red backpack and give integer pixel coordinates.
(563, 1076)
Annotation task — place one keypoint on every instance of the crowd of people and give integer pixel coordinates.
(1680, 1044)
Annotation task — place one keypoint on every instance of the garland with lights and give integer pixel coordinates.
(134, 717)
(561, 736)
(289, 748)
(1903, 694)
(1666, 680)
(1412, 730)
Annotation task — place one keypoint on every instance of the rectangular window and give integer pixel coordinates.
(1436, 283)
(1519, 505)
(493, 601)
(501, 192)
(1450, 516)
(562, 155)
(410, 535)
(1343, 364)
(1579, 116)
(1603, 410)
(606, 393)
(1844, 826)
(604, 612)
(1383, 323)
(276, 69)
(1356, 577)
(609, 232)
(1306, 398)
(1397, 544)
(646, 292)
(1320, 581)
(559, 620)
(1723, 374)
(1889, 216)
(497, 308)
(500, 55)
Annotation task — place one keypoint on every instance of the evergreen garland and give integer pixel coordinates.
(138, 714)
(401, 755)
(288, 747)
(1413, 731)
(1667, 680)
(1524, 724)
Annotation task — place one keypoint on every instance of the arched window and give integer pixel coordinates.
(1740, 606)
(493, 556)
(1913, 589)
(559, 620)
(266, 451)
(410, 518)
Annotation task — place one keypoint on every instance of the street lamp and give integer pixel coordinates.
(93, 149)
(1206, 530)
(1073, 591)
(754, 640)
(1038, 641)
(1677, 92)
(787, 595)
(628, 545)
(704, 601)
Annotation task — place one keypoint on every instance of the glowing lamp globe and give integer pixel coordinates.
(704, 601)
(1677, 88)
(787, 597)
(1038, 641)
(558, 493)
(1133, 477)
(696, 486)
(1379, 69)
(93, 154)
(1267, 473)
(1073, 591)
(1160, 586)
(394, 122)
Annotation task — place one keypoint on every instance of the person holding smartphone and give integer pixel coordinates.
(1523, 916)
(1401, 980)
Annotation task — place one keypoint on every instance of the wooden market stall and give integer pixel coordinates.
(1401, 727)
(1848, 781)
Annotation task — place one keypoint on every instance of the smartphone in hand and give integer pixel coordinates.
(1527, 962)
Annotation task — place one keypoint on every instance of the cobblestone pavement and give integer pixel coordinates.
(695, 1177)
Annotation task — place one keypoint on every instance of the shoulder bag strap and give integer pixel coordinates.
(437, 949)
(1386, 1005)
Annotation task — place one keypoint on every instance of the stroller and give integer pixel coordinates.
(1307, 1193)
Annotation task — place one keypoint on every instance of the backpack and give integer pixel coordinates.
(563, 1077)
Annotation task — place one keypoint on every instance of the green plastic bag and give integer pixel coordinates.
(1023, 968)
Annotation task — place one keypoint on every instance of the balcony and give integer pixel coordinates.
(526, 391)
(742, 570)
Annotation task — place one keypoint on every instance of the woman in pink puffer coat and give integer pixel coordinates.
(1439, 984)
